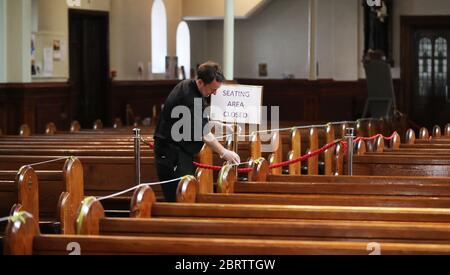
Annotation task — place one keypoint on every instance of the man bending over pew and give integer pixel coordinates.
(174, 152)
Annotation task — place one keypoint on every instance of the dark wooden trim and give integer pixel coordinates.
(147, 83)
(33, 85)
(35, 104)
(298, 99)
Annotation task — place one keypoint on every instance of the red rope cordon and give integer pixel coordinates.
(304, 157)
(151, 145)
(287, 163)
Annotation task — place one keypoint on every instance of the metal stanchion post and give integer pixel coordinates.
(235, 142)
(349, 135)
(137, 154)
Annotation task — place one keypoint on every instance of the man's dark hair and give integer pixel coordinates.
(210, 71)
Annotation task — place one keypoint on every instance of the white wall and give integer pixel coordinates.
(344, 34)
(198, 41)
(130, 34)
(325, 39)
(277, 35)
(3, 35)
(201, 9)
(18, 41)
(413, 7)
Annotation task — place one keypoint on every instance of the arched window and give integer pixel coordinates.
(425, 65)
(440, 66)
(184, 47)
(159, 37)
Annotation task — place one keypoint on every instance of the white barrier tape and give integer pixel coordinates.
(48, 161)
(307, 126)
(136, 187)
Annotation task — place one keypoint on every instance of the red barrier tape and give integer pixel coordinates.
(304, 157)
(301, 158)
(151, 145)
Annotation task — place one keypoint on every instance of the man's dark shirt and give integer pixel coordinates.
(184, 94)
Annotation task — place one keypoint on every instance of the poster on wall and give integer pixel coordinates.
(33, 54)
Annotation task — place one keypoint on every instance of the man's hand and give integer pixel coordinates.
(231, 157)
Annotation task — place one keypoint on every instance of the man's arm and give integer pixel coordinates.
(224, 153)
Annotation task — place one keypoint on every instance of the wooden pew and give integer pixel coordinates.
(102, 175)
(93, 222)
(32, 242)
(329, 190)
(146, 224)
(53, 199)
(73, 152)
(402, 165)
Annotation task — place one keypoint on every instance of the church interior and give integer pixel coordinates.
(357, 161)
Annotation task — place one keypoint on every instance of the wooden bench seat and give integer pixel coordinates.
(101, 174)
(425, 146)
(35, 243)
(398, 165)
(73, 152)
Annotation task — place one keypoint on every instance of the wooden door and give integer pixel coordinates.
(430, 98)
(89, 65)
(425, 69)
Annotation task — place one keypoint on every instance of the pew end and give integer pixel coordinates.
(89, 215)
(361, 148)
(227, 179)
(395, 142)
(410, 137)
(339, 160)
(50, 129)
(379, 144)
(205, 176)
(117, 123)
(24, 130)
(296, 143)
(255, 146)
(277, 152)
(75, 127)
(447, 130)
(313, 162)
(187, 190)
(19, 234)
(423, 133)
(260, 170)
(142, 202)
(328, 154)
(205, 180)
(71, 199)
(98, 125)
(436, 133)
(28, 192)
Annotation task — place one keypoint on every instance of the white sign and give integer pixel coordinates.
(237, 103)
